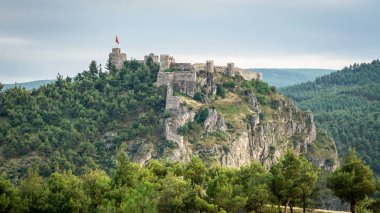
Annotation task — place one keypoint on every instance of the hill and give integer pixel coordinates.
(347, 104)
(76, 133)
(79, 124)
(28, 85)
(287, 77)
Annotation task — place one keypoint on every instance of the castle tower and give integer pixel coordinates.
(210, 66)
(166, 61)
(230, 69)
(117, 58)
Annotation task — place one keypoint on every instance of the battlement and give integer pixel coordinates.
(153, 56)
(181, 66)
(199, 66)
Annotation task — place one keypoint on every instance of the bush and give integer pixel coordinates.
(183, 129)
(261, 116)
(275, 104)
(199, 96)
(263, 100)
(202, 115)
(229, 85)
(220, 91)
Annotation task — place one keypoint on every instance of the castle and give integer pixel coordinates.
(186, 78)
(172, 71)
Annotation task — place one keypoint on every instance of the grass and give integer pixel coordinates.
(322, 147)
(191, 102)
(233, 108)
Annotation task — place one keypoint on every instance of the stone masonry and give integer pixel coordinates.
(117, 58)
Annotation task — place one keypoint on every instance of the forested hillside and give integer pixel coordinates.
(63, 149)
(347, 104)
(68, 123)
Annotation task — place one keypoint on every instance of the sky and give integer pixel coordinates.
(41, 38)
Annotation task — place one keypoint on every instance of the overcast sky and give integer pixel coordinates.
(41, 38)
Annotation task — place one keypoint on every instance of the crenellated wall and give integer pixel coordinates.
(181, 66)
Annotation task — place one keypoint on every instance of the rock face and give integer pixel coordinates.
(252, 140)
(238, 127)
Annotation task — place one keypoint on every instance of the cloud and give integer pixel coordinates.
(14, 41)
(40, 38)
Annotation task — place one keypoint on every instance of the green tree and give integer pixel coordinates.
(255, 181)
(177, 195)
(93, 69)
(293, 178)
(10, 200)
(34, 192)
(67, 194)
(308, 180)
(96, 184)
(142, 198)
(157, 168)
(126, 171)
(353, 181)
(225, 191)
(196, 171)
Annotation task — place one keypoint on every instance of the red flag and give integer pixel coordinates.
(117, 40)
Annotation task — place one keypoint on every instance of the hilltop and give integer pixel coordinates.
(347, 104)
(164, 109)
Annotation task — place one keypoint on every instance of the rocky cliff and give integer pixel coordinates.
(240, 122)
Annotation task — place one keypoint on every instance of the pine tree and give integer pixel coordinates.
(353, 181)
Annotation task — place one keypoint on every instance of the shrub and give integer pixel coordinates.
(229, 85)
(199, 96)
(202, 115)
(220, 91)
(261, 116)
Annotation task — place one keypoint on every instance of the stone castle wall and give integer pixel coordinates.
(199, 66)
(248, 75)
(220, 69)
(181, 66)
(165, 78)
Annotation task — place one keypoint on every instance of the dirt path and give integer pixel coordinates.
(321, 210)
